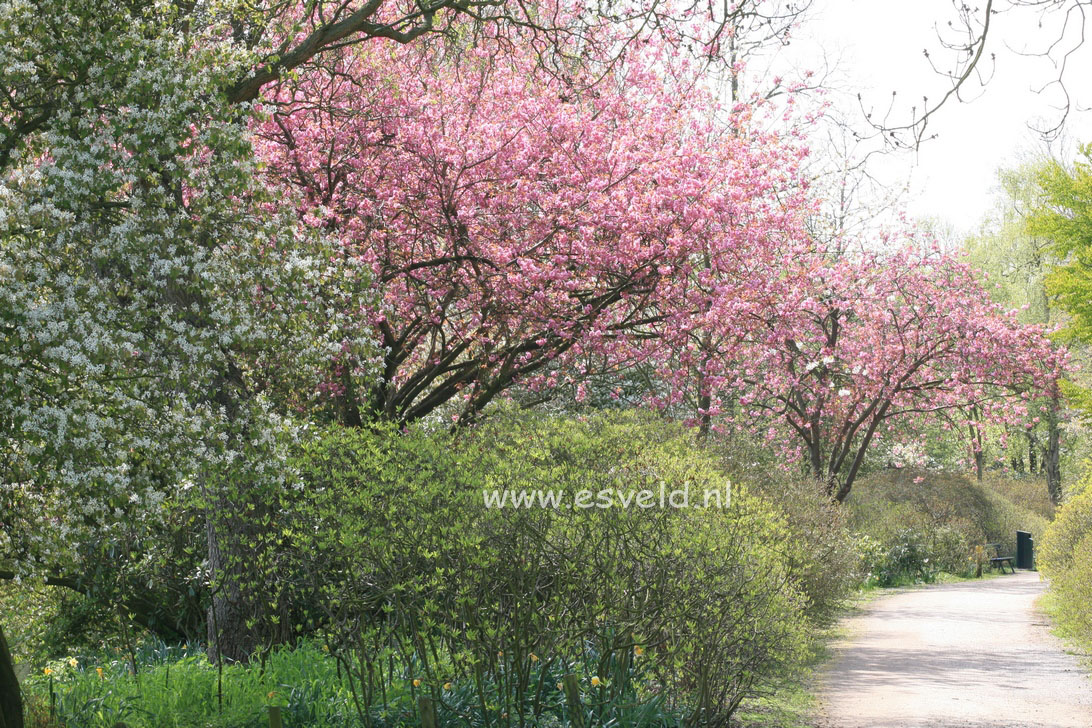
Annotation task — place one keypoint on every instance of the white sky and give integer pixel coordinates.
(880, 44)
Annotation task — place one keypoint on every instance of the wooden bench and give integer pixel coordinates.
(999, 561)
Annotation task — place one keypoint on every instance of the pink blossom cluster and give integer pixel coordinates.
(512, 216)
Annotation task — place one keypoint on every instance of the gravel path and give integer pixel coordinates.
(969, 655)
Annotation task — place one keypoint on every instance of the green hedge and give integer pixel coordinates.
(686, 611)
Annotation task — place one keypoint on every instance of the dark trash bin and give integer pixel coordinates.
(1025, 550)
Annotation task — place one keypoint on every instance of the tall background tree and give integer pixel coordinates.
(878, 341)
(1017, 264)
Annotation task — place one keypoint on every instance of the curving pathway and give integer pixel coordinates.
(971, 655)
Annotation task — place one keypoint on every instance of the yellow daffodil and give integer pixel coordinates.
(416, 683)
(638, 650)
(447, 686)
(72, 662)
(48, 671)
(99, 671)
(596, 682)
(534, 657)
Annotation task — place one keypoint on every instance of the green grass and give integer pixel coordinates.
(178, 688)
(792, 707)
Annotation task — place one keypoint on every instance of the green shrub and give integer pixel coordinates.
(1057, 551)
(1065, 558)
(826, 565)
(418, 579)
(413, 587)
(906, 556)
(1026, 492)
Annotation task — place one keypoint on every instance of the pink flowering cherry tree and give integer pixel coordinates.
(510, 220)
(883, 339)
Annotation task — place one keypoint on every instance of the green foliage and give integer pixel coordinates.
(827, 566)
(387, 554)
(1064, 216)
(1065, 557)
(1058, 551)
(1024, 492)
(29, 612)
(415, 575)
(907, 556)
(1016, 259)
(176, 686)
(912, 531)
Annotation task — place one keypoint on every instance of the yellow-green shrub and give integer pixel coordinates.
(413, 575)
(1026, 492)
(826, 563)
(1065, 558)
(1071, 525)
(947, 513)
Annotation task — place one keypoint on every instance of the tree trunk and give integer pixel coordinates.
(11, 699)
(238, 520)
(704, 421)
(1034, 466)
(839, 492)
(249, 610)
(842, 492)
(229, 637)
(1052, 460)
(976, 442)
(1018, 461)
(246, 613)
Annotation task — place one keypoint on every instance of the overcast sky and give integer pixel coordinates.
(879, 44)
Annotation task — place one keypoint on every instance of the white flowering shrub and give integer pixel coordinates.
(156, 304)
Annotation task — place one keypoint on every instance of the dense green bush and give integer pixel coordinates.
(826, 564)
(1072, 524)
(1065, 557)
(1027, 492)
(912, 555)
(416, 576)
